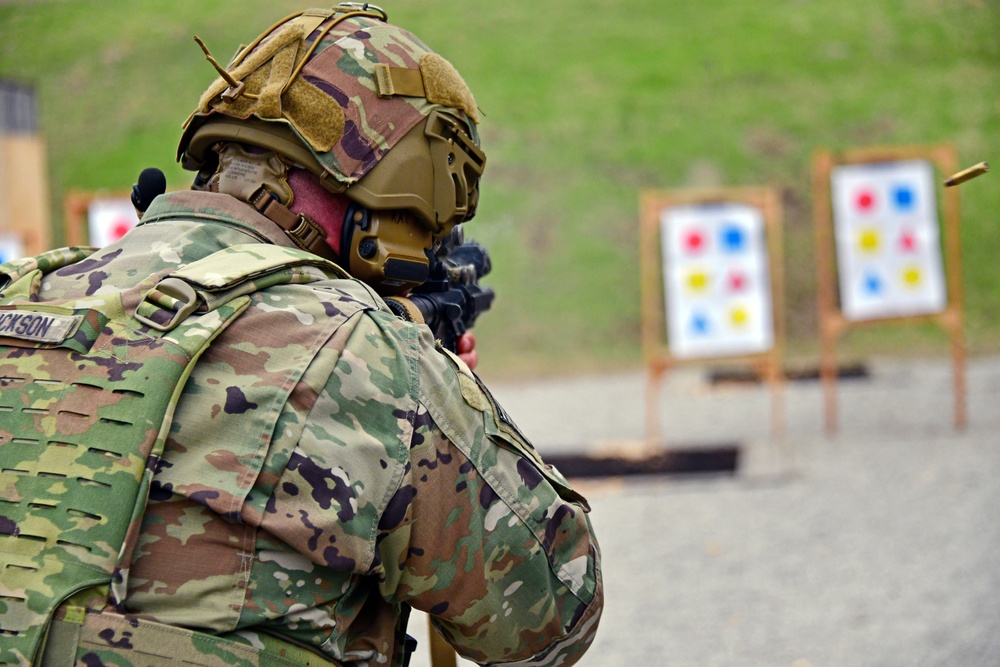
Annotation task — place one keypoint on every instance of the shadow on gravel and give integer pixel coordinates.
(676, 461)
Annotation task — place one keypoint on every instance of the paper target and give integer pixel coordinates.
(887, 239)
(717, 287)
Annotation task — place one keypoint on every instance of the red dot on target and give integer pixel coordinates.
(865, 200)
(119, 229)
(694, 241)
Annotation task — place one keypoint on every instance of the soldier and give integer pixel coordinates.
(316, 465)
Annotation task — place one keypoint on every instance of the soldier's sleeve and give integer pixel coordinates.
(484, 536)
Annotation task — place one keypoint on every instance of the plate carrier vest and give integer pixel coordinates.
(88, 388)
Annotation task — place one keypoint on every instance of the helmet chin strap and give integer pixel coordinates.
(302, 229)
(260, 178)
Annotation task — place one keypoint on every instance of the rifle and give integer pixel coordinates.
(451, 299)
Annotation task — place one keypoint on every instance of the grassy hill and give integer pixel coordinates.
(586, 103)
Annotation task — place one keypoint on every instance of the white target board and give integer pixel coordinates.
(888, 240)
(110, 219)
(717, 286)
(11, 247)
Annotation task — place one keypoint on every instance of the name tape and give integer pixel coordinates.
(37, 327)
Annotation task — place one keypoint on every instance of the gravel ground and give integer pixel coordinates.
(876, 546)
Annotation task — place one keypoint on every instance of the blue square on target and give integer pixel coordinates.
(733, 238)
(904, 198)
(699, 324)
(872, 283)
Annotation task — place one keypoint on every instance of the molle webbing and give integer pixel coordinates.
(83, 421)
(108, 638)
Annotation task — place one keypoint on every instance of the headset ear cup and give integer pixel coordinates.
(388, 250)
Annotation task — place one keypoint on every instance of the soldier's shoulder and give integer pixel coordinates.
(461, 403)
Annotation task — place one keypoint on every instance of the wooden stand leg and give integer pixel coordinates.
(958, 362)
(777, 382)
(442, 654)
(654, 383)
(828, 376)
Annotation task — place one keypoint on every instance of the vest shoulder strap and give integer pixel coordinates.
(205, 285)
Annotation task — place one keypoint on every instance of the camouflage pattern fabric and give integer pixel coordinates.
(103, 638)
(328, 464)
(347, 126)
(87, 394)
(84, 391)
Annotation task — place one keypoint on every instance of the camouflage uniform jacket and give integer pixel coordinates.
(328, 464)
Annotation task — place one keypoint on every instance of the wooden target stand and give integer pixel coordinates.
(832, 322)
(75, 206)
(76, 209)
(658, 356)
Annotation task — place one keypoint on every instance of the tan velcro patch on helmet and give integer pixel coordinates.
(282, 65)
(314, 114)
(265, 74)
(444, 85)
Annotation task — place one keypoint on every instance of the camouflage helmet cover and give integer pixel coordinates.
(350, 87)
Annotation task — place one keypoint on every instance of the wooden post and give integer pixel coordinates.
(826, 299)
(75, 206)
(442, 654)
(654, 385)
(952, 319)
(775, 222)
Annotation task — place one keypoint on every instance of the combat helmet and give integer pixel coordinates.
(368, 108)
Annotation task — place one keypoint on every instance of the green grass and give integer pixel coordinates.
(586, 102)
